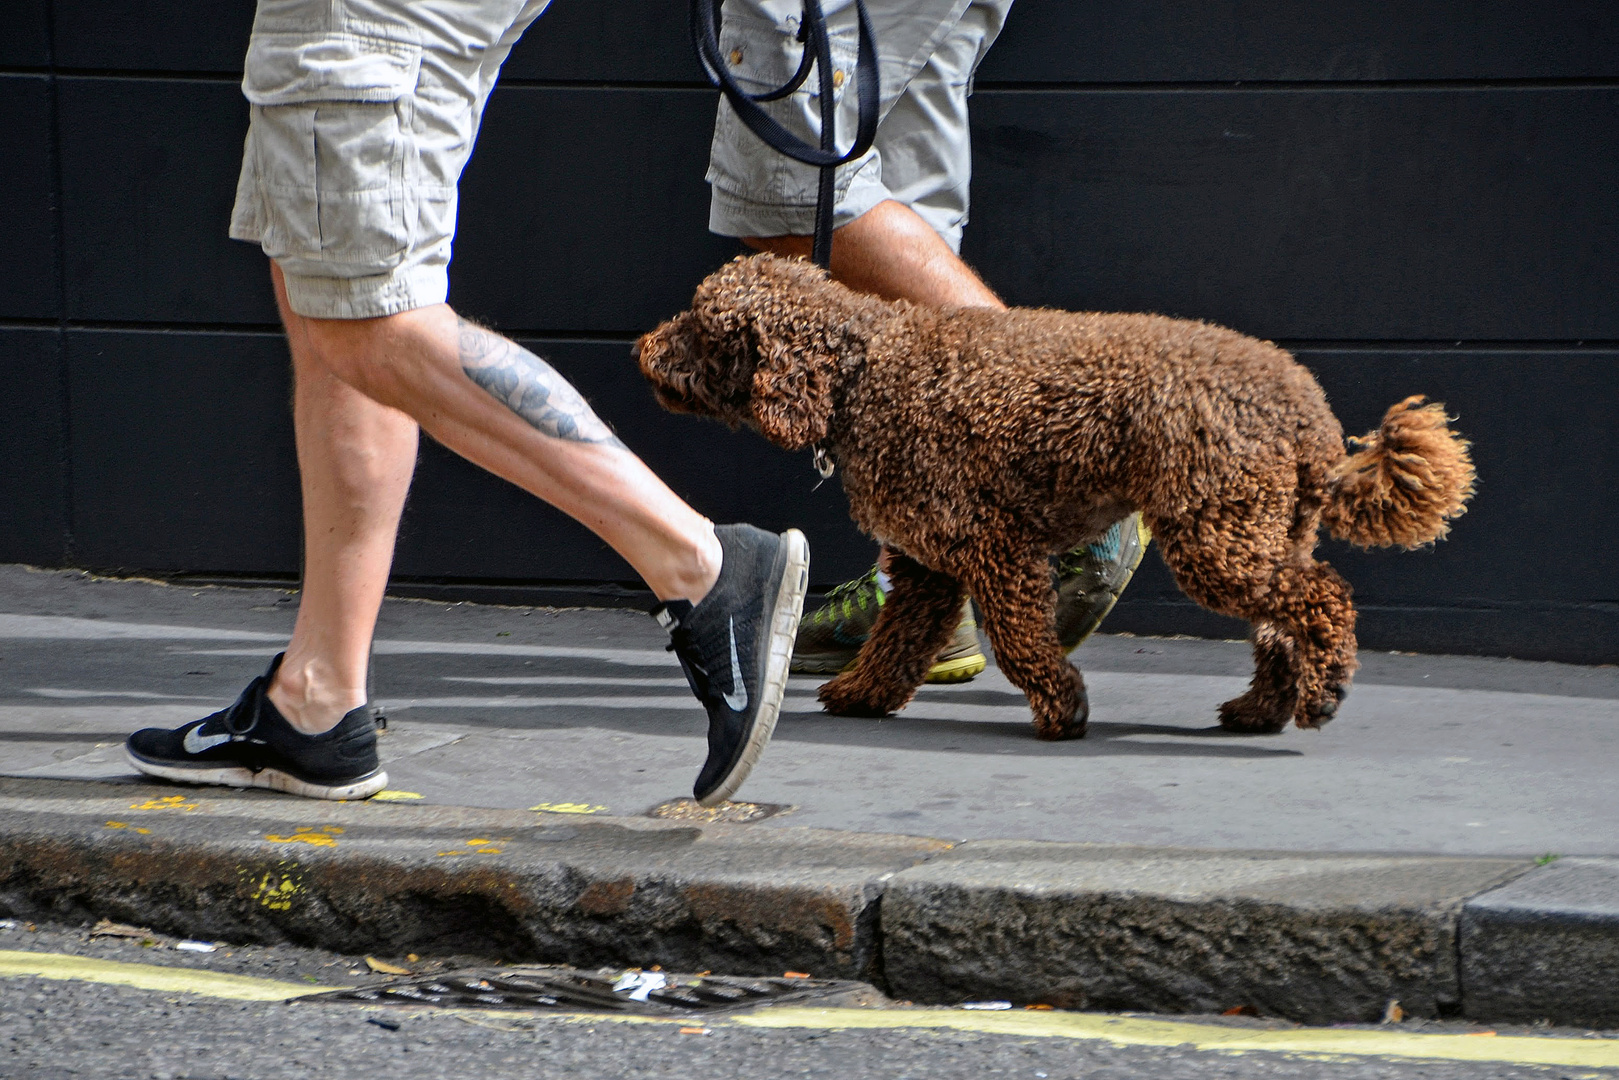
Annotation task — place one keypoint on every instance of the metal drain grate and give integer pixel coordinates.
(735, 813)
(572, 990)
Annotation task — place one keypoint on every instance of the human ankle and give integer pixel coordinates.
(697, 571)
(311, 703)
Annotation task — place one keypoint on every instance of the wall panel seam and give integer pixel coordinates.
(59, 243)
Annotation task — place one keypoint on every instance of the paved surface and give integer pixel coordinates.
(504, 707)
(52, 1029)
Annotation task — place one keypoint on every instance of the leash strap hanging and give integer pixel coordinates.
(705, 18)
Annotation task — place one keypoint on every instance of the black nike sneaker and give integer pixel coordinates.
(251, 744)
(735, 646)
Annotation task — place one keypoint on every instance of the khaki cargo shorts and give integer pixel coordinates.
(927, 53)
(363, 115)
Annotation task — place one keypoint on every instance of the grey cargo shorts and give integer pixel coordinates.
(922, 157)
(363, 115)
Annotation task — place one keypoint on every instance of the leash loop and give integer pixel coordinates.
(705, 18)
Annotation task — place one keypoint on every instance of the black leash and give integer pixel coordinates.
(705, 18)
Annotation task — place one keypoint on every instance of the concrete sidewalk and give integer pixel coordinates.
(1192, 869)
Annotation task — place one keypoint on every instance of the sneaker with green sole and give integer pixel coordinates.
(1089, 581)
(1091, 578)
(831, 636)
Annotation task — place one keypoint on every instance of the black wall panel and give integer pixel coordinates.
(1132, 41)
(149, 171)
(1475, 214)
(132, 35)
(1046, 41)
(182, 451)
(586, 210)
(33, 469)
(28, 274)
(628, 41)
(1542, 427)
(26, 41)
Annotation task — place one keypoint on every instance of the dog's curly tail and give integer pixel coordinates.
(1403, 482)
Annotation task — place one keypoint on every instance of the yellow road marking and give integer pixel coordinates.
(1131, 1031)
(1119, 1030)
(174, 980)
(568, 808)
(167, 802)
(308, 834)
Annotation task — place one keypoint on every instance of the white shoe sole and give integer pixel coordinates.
(783, 630)
(272, 779)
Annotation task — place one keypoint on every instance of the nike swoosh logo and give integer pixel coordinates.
(737, 699)
(196, 742)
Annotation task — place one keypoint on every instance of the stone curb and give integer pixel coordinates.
(1546, 946)
(1312, 937)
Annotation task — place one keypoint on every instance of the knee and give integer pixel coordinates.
(374, 356)
(349, 350)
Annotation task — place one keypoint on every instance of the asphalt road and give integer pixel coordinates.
(519, 708)
(52, 1029)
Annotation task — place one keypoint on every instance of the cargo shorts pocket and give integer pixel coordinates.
(763, 56)
(332, 149)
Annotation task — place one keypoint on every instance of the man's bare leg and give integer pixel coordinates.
(891, 252)
(363, 388)
(487, 399)
(355, 460)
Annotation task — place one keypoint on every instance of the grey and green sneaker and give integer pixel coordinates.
(831, 636)
(1091, 578)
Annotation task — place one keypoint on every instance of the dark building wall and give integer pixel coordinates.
(1415, 197)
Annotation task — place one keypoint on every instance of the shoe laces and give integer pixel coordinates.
(1095, 556)
(843, 599)
(684, 646)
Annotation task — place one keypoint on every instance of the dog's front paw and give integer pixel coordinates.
(1064, 721)
(1320, 713)
(1250, 716)
(844, 696)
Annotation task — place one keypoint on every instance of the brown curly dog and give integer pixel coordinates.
(978, 443)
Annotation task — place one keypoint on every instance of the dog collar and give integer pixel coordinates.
(823, 463)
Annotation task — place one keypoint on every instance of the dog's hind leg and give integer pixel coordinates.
(1311, 604)
(915, 623)
(1303, 620)
(1015, 595)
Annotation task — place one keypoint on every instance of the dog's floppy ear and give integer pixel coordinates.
(792, 393)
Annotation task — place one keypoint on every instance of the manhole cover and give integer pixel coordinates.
(643, 993)
(733, 812)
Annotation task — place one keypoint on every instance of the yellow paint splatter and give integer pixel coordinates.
(390, 795)
(568, 808)
(277, 893)
(325, 836)
(168, 802)
(125, 825)
(480, 846)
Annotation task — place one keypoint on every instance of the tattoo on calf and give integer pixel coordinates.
(530, 387)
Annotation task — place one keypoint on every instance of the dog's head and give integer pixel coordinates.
(760, 346)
